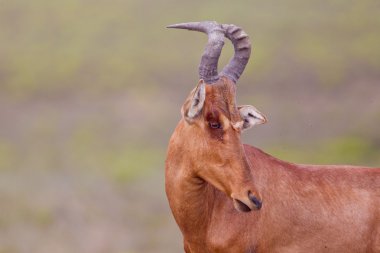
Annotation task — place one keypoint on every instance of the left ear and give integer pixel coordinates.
(251, 116)
(195, 102)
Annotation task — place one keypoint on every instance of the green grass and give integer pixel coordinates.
(341, 150)
(129, 163)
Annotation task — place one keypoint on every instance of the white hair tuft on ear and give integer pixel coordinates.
(197, 101)
(251, 116)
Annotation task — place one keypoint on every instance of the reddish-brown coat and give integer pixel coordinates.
(306, 208)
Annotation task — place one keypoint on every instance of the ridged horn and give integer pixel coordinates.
(208, 68)
(242, 47)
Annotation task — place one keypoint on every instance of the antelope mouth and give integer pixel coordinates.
(240, 206)
(252, 203)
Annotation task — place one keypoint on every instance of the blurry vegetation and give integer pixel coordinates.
(342, 150)
(6, 156)
(53, 47)
(127, 164)
(90, 92)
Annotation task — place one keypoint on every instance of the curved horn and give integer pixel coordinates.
(242, 47)
(208, 68)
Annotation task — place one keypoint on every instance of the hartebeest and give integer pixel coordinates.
(213, 181)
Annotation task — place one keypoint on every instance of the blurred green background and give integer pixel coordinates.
(90, 91)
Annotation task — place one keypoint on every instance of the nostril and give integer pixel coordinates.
(255, 200)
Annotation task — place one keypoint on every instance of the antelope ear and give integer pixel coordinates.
(251, 116)
(194, 103)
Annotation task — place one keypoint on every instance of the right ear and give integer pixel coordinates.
(251, 116)
(195, 102)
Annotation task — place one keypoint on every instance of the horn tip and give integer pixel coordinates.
(198, 26)
(171, 26)
(187, 26)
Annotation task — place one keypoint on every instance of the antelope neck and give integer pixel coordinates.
(196, 201)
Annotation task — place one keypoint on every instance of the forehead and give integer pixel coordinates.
(220, 98)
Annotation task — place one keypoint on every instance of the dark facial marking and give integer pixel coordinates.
(215, 126)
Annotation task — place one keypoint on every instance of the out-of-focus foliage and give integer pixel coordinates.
(53, 47)
(90, 92)
(350, 150)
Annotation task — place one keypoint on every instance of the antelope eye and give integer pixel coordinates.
(215, 125)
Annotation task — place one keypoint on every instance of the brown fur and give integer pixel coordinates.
(305, 208)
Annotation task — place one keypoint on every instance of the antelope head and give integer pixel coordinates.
(209, 134)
